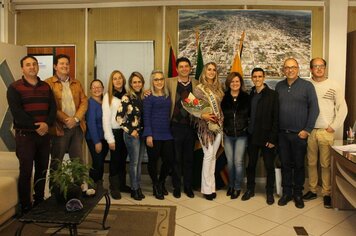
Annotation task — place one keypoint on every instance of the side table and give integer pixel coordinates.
(51, 212)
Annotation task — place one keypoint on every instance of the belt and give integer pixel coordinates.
(287, 131)
(25, 132)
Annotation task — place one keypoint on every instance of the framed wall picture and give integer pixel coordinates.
(271, 36)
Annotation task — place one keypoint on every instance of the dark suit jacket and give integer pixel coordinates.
(267, 116)
(171, 84)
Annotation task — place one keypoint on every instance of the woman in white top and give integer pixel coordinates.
(114, 134)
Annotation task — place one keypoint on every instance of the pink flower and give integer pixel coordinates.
(187, 100)
(196, 101)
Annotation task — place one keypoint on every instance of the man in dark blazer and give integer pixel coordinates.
(263, 133)
(182, 127)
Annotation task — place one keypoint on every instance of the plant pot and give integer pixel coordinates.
(74, 191)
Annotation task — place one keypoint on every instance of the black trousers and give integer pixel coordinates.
(184, 141)
(162, 149)
(268, 155)
(32, 149)
(97, 168)
(118, 157)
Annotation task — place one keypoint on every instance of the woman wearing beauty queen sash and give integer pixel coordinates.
(209, 125)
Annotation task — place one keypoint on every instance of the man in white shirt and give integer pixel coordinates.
(333, 111)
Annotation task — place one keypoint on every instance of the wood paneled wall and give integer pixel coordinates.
(126, 24)
(351, 21)
(67, 26)
(54, 27)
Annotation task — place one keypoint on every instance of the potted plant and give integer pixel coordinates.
(67, 178)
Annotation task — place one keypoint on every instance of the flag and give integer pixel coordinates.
(172, 68)
(200, 63)
(236, 64)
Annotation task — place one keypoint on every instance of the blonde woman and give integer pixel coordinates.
(210, 90)
(129, 117)
(114, 134)
(157, 132)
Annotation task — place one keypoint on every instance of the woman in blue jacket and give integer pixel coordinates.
(98, 147)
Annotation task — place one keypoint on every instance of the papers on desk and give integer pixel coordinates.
(346, 148)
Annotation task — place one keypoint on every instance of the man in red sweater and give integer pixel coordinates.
(33, 108)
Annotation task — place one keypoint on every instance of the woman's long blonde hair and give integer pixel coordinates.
(130, 91)
(216, 87)
(111, 85)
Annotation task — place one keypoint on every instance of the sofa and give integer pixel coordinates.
(9, 172)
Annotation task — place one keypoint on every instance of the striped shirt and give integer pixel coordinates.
(31, 103)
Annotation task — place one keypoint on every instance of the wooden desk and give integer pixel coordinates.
(343, 179)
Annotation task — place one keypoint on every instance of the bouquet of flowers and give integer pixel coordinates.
(197, 107)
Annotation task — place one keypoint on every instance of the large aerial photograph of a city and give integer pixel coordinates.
(270, 37)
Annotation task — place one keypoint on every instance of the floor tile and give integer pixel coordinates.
(226, 230)
(253, 224)
(311, 225)
(280, 230)
(180, 231)
(275, 214)
(198, 204)
(248, 206)
(308, 205)
(152, 200)
(327, 215)
(224, 213)
(261, 197)
(183, 211)
(349, 223)
(339, 231)
(221, 197)
(198, 223)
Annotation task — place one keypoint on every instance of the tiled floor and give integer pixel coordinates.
(225, 217)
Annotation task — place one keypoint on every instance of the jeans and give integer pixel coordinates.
(292, 151)
(97, 168)
(235, 151)
(135, 148)
(71, 143)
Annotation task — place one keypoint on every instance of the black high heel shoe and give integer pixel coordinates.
(157, 192)
(209, 197)
(135, 195)
(235, 194)
(229, 191)
(142, 196)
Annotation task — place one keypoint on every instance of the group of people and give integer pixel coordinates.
(297, 118)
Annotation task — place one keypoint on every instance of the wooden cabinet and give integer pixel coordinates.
(343, 180)
(350, 85)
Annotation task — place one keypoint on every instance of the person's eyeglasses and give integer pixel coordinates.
(290, 67)
(93, 88)
(158, 79)
(318, 66)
